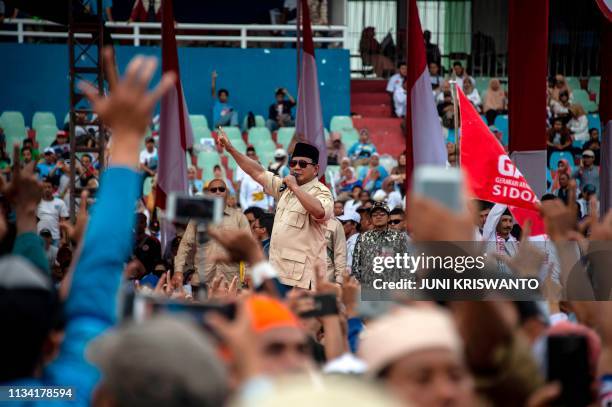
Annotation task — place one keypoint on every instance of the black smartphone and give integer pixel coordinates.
(319, 306)
(568, 364)
(146, 306)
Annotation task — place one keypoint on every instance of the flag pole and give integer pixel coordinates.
(456, 119)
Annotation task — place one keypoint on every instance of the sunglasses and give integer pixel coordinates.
(302, 163)
(362, 210)
(215, 189)
(394, 222)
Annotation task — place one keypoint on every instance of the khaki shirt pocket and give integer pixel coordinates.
(295, 216)
(293, 263)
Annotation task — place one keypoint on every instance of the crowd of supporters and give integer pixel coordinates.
(263, 344)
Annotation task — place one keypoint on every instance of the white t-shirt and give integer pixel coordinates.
(400, 99)
(252, 194)
(395, 81)
(351, 205)
(49, 213)
(394, 199)
(149, 159)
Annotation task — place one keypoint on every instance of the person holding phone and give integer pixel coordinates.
(190, 251)
(304, 207)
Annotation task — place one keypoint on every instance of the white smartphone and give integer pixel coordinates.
(444, 185)
(181, 208)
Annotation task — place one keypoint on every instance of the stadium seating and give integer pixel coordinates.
(13, 125)
(339, 123)
(557, 156)
(266, 157)
(261, 139)
(147, 186)
(573, 83)
(198, 120)
(501, 122)
(259, 122)
(482, 83)
(206, 161)
(43, 119)
(45, 135)
(594, 121)
(349, 136)
(284, 136)
(582, 96)
(200, 132)
(233, 133)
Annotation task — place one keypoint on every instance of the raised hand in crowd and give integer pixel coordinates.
(529, 258)
(127, 110)
(24, 192)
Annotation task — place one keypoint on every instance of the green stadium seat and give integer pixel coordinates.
(200, 132)
(582, 96)
(233, 133)
(198, 120)
(14, 128)
(284, 136)
(266, 157)
(482, 83)
(339, 123)
(259, 122)
(43, 119)
(259, 133)
(147, 186)
(206, 161)
(349, 137)
(45, 135)
(573, 83)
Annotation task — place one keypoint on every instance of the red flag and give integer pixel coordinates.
(491, 175)
(175, 134)
(425, 136)
(309, 120)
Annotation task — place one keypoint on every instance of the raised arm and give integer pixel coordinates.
(251, 167)
(213, 84)
(91, 305)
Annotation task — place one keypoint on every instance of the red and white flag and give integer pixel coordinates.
(309, 120)
(425, 135)
(491, 174)
(175, 134)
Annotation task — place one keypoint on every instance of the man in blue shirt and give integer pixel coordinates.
(363, 149)
(223, 113)
(45, 167)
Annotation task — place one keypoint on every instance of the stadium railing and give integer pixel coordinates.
(242, 35)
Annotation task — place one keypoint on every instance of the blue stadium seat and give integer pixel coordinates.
(501, 122)
(339, 123)
(557, 156)
(594, 121)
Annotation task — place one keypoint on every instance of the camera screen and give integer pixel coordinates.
(190, 208)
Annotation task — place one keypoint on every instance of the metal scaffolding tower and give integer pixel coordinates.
(87, 133)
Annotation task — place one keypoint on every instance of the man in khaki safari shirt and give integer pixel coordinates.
(191, 252)
(303, 207)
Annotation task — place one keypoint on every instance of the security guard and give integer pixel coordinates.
(336, 250)
(304, 207)
(190, 252)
